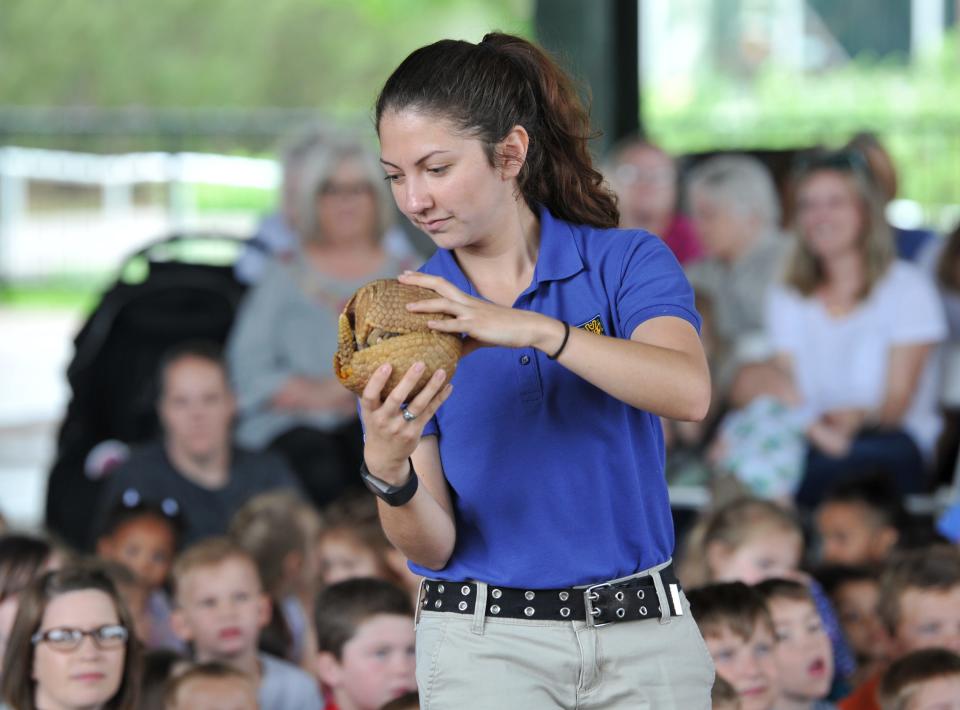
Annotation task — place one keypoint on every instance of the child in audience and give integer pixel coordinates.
(803, 653)
(365, 633)
(750, 540)
(738, 631)
(352, 544)
(220, 608)
(923, 680)
(159, 667)
(920, 606)
(279, 531)
(133, 595)
(859, 521)
(143, 536)
(855, 594)
(211, 686)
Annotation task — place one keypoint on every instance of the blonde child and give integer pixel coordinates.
(211, 686)
(221, 608)
(279, 531)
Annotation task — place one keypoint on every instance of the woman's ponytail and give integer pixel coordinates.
(505, 81)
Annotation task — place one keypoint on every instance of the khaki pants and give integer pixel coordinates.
(482, 663)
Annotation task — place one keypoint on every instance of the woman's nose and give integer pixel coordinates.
(417, 197)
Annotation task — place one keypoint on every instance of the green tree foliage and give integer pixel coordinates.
(327, 54)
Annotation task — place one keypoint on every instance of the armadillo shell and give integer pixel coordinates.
(382, 304)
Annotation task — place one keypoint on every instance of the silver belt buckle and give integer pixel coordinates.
(589, 597)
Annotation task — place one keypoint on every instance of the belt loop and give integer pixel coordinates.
(661, 597)
(421, 602)
(479, 608)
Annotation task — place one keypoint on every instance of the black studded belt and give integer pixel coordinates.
(629, 599)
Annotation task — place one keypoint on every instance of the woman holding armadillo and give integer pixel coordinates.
(533, 500)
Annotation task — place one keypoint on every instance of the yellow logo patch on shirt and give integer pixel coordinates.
(594, 325)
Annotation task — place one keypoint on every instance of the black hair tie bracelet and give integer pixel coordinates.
(566, 336)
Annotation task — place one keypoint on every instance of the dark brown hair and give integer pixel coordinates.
(935, 569)
(486, 90)
(407, 701)
(731, 605)
(342, 607)
(897, 684)
(18, 686)
(21, 559)
(724, 695)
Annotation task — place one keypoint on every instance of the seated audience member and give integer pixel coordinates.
(23, 558)
(750, 540)
(923, 680)
(365, 635)
(723, 696)
(859, 521)
(352, 544)
(735, 205)
(71, 646)
(221, 608)
(644, 177)
(159, 667)
(132, 594)
(909, 243)
(144, 537)
(196, 466)
(285, 335)
(855, 328)
(920, 607)
(803, 653)
(280, 531)
(407, 701)
(738, 631)
(212, 686)
(855, 594)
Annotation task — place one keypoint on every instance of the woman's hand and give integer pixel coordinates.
(389, 437)
(829, 439)
(483, 323)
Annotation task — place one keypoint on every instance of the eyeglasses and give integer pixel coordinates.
(65, 639)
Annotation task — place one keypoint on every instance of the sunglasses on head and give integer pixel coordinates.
(847, 160)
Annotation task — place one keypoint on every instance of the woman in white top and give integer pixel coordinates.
(856, 329)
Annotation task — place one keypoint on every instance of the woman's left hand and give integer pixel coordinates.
(483, 323)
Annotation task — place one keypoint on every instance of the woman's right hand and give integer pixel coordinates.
(389, 439)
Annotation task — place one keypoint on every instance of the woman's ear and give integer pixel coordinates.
(512, 152)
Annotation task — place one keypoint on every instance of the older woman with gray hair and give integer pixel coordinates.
(736, 210)
(282, 346)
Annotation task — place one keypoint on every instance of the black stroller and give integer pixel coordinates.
(176, 289)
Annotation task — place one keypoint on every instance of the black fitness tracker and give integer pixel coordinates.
(391, 495)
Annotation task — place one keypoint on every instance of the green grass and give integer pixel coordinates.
(223, 198)
(69, 292)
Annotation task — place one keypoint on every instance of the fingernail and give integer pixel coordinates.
(385, 368)
(418, 367)
(407, 271)
(439, 375)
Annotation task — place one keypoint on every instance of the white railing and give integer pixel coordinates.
(31, 245)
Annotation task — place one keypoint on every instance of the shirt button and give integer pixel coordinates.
(525, 360)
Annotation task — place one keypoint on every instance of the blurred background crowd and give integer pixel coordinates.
(190, 192)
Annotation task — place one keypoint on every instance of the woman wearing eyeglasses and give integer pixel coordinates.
(856, 329)
(285, 336)
(71, 646)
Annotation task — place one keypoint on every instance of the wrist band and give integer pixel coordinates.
(566, 336)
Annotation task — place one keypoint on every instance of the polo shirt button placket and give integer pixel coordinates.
(524, 359)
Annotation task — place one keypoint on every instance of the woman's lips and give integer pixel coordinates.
(91, 677)
(231, 633)
(434, 224)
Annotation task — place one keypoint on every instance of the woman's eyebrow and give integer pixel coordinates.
(428, 155)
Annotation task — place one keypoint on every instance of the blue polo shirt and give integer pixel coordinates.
(555, 483)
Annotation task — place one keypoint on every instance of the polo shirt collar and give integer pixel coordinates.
(559, 256)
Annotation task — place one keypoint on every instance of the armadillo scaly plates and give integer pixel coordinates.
(375, 328)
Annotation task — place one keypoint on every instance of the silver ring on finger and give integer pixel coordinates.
(408, 415)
